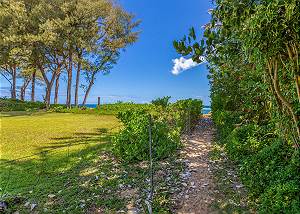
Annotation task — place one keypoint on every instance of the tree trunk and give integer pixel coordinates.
(22, 94)
(49, 84)
(273, 71)
(33, 86)
(77, 82)
(56, 88)
(69, 87)
(48, 95)
(23, 89)
(89, 88)
(14, 82)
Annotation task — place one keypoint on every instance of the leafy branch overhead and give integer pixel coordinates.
(189, 46)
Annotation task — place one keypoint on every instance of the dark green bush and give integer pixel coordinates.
(132, 143)
(163, 102)
(272, 175)
(269, 166)
(18, 105)
(189, 109)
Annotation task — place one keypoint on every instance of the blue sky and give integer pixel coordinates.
(144, 70)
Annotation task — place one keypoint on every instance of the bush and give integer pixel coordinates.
(163, 102)
(268, 165)
(132, 143)
(18, 105)
(272, 176)
(57, 108)
(189, 109)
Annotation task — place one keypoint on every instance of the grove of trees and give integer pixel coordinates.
(43, 40)
(253, 50)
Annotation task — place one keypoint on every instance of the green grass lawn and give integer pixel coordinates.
(69, 167)
(63, 155)
(24, 133)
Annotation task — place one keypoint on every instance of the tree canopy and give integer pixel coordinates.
(56, 37)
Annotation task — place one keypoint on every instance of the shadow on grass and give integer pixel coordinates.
(79, 138)
(61, 181)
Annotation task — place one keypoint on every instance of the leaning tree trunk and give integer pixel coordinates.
(14, 82)
(56, 88)
(89, 88)
(77, 82)
(22, 94)
(273, 73)
(48, 95)
(68, 102)
(33, 86)
(23, 89)
(49, 84)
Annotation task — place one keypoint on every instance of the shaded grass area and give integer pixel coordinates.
(87, 181)
(57, 154)
(70, 167)
(59, 183)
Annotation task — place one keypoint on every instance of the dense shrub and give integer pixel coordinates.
(189, 109)
(272, 175)
(268, 165)
(18, 105)
(163, 102)
(105, 109)
(255, 83)
(132, 143)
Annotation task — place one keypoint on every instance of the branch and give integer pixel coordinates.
(6, 78)
(280, 96)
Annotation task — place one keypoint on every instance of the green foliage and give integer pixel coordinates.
(132, 143)
(105, 109)
(268, 165)
(253, 52)
(274, 177)
(167, 123)
(48, 38)
(189, 109)
(163, 102)
(18, 105)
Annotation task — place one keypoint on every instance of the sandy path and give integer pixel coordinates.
(199, 184)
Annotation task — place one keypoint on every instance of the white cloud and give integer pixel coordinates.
(182, 64)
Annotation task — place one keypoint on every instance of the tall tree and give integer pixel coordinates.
(12, 28)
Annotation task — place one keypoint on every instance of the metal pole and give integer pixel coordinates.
(189, 120)
(149, 204)
(98, 102)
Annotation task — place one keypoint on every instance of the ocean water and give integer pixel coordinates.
(205, 110)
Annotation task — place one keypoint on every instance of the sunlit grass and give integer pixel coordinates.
(63, 154)
(24, 134)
